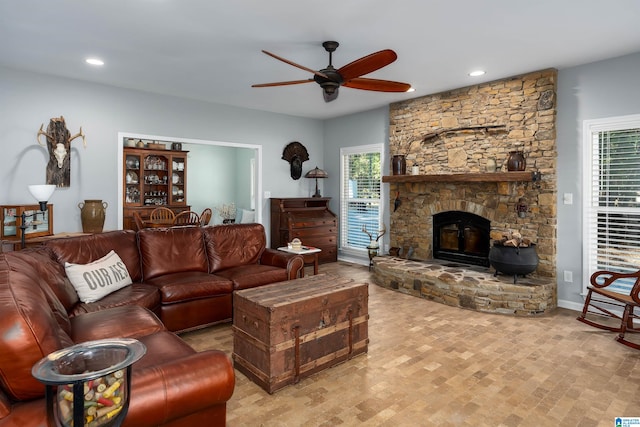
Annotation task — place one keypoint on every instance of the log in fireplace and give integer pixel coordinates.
(461, 236)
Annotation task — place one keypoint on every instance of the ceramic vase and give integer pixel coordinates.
(92, 214)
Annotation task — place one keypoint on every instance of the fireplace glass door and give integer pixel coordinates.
(461, 236)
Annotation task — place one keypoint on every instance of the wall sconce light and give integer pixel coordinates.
(41, 193)
(317, 173)
(522, 208)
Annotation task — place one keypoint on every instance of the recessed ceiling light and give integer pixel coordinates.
(477, 73)
(94, 61)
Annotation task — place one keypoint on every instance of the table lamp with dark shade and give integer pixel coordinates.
(317, 173)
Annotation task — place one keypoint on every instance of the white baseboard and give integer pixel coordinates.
(353, 260)
(571, 305)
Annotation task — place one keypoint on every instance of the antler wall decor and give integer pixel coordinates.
(59, 144)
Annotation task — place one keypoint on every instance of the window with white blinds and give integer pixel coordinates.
(612, 197)
(360, 199)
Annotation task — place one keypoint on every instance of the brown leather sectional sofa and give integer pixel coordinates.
(183, 278)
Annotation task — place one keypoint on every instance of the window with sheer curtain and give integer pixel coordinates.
(612, 196)
(360, 200)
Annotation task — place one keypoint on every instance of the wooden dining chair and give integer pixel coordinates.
(205, 217)
(602, 304)
(162, 214)
(138, 220)
(187, 218)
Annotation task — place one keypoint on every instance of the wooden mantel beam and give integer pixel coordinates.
(524, 176)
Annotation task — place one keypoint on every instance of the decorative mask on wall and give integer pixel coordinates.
(295, 153)
(59, 144)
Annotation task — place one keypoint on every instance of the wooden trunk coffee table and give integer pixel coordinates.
(289, 330)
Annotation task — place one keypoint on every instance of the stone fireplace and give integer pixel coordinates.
(460, 141)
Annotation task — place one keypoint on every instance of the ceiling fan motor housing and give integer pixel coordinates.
(331, 84)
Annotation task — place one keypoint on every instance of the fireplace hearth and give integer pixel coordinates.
(462, 237)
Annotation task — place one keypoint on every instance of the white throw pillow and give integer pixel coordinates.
(99, 278)
(247, 217)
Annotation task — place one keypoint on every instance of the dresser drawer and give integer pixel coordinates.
(314, 232)
(328, 254)
(319, 241)
(313, 222)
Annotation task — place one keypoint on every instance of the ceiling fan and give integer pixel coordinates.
(349, 75)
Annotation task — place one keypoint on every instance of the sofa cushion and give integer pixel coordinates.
(86, 249)
(234, 245)
(190, 285)
(98, 278)
(171, 250)
(129, 321)
(141, 294)
(250, 276)
(28, 327)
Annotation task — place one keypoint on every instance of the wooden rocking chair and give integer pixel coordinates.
(602, 303)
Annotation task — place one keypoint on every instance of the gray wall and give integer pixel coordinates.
(29, 99)
(369, 127)
(597, 90)
(602, 89)
(218, 175)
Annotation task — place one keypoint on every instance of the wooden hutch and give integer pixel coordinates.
(308, 219)
(153, 178)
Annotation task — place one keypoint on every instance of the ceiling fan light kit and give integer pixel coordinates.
(350, 75)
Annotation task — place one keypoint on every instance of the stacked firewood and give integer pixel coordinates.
(513, 239)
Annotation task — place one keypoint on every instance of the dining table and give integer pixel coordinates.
(158, 223)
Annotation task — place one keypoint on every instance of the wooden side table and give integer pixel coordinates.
(309, 255)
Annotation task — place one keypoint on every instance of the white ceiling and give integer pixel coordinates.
(210, 50)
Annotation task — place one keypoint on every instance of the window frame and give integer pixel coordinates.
(342, 237)
(590, 236)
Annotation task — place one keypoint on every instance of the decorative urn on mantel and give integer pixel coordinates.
(399, 164)
(516, 161)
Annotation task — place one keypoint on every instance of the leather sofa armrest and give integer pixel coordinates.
(292, 262)
(184, 386)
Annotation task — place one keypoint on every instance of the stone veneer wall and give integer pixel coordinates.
(525, 106)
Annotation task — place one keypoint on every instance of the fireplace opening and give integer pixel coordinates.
(461, 236)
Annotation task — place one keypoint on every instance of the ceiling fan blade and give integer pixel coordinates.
(291, 82)
(377, 85)
(302, 67)
(328, 97)
(367, 64)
